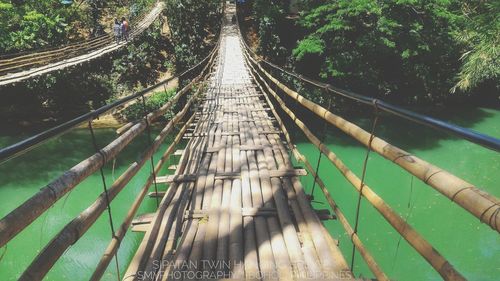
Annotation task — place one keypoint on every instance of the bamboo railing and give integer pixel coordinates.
(442, 266)
(72, 232)
(370, 261)
(482, 205)
(122, 230)
(26, 213)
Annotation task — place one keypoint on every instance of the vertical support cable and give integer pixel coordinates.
(322, 142)
(282, 96)
(105, 187)
(365, 162)
(148, 129)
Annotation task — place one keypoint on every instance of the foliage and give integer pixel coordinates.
(403, 49)
(143, 61)
(481, 38)
(270, 17)
(68, 93)
(191, 22)
(154, 102)
(36, 24)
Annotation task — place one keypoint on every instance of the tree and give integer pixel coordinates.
(36, 24)
(191, 23)
(399, 49)
(270, 17)
(481, 39)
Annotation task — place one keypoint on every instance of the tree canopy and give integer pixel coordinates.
(406, 50)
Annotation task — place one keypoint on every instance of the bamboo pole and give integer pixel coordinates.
(438, 262)
(482, 205)
(72, 232)
(368, 258)
(122, 230)
(31, 209)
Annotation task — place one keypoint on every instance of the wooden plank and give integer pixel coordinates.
(160, 194)
(176, 178)
(211, 235)
(141, 227)
(251, 261)
(236, 249)
(237, 133)
(286, 221)
(242, 147)
(266, 258)
(143, 219)
(264, 163)
(203, 190)
(224, 227)
(246, 212)
(229, 175)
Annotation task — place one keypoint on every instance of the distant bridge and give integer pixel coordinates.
(16, 68)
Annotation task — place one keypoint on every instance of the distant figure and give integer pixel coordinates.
(124, 28)
(117, 31)
(233, 19)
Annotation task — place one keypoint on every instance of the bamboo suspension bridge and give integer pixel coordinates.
(19, 68)
(235, 208)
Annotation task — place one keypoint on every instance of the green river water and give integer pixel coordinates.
(473, 248)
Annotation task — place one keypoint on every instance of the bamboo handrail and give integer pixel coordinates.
(423, 247)
(72, 232)
(365, 254)
(26, 213)
(482, 205)
(115, 242)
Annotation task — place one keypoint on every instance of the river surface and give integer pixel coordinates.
(471, 247)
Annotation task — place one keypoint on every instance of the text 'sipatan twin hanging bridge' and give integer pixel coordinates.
(235, 207)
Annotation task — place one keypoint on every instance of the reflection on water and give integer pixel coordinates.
(471, 247)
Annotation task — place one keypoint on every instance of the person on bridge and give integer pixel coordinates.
(124, 29)
(117, 31)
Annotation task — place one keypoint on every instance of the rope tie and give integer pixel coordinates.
(363, 175)
(459, 191)
(487, 209)
(106, 193)
(148, 129)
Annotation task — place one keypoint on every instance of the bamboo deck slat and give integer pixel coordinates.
(241, 212)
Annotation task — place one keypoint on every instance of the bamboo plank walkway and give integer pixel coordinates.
(235, 208)
(46, 63)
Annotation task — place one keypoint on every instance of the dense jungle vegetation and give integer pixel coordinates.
(405, 51)
(168, 46)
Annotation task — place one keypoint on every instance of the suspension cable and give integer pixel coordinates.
(148, 130)
(105, 187)
(320, 152)
(363, 175)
